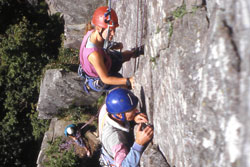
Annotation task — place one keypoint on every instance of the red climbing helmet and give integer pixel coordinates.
(101, 17)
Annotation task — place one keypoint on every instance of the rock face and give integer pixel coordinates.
(60, 89)
(194, 77)
(56, 129)
(76, 14)
(152, 157)
(193, 80)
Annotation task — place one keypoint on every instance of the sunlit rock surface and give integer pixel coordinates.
(56, 130)
(76, 13)
(194, 77)
(193, 80)
(60, 89)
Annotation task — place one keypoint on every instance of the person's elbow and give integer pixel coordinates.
(105, 79)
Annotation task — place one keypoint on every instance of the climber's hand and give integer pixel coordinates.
(73, 137)
(141, 118)
(144, 136)
(132, 82)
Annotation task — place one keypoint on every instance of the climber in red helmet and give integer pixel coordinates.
(100, 67)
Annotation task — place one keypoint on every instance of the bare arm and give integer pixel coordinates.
(97, 61)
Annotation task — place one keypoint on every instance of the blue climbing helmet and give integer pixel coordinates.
(120, 100)
(69, 130)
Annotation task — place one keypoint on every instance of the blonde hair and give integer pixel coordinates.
(88, 27)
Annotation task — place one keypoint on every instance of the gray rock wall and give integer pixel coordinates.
(60, 89)
(76, 14)
(193, 80)
(194, 77)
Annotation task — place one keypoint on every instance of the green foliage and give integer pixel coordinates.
(68, 56)
(153, 61)
(194, 9)
(171, 29)
(39, 126)
(7, 138)
(19, 64)
(28, 41)
(79, 114)
(57, 157)
(101, 101)
(180, 11)
(157, 29)
(68, 60)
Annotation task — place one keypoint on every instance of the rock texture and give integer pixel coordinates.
(193, 80)
(152, 157)
(56, 129)
(76, 14)
(60, 89)
(194, 77)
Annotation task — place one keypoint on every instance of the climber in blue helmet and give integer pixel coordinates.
(115, 119)
(74, 133)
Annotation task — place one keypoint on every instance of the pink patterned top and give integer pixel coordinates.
(87, 67)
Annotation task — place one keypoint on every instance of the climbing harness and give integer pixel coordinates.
(89, 82)
(95, 83)
(105, 159)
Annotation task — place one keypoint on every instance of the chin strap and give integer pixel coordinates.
(123, 117)
(100, 33)
(106, 42)
(108, 13)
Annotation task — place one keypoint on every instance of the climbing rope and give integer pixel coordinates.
(136, 37)
(141, 7)
(91, 120)
(140, 14)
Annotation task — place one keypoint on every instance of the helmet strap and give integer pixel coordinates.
(106, 42)
(100, 33)
(121, 119)
(108, 13)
